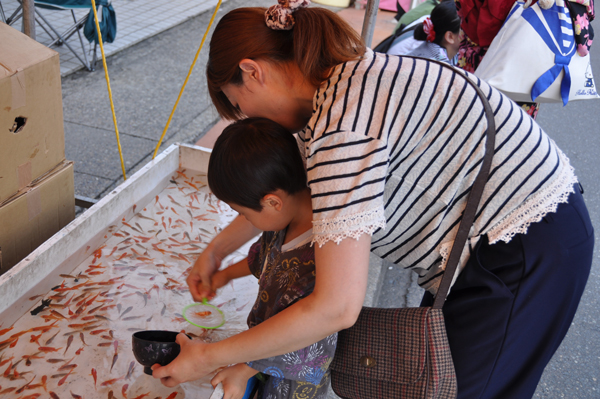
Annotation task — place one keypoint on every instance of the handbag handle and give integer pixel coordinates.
(474, 196)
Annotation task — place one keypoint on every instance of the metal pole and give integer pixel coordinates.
(29, 18)
(369, 21)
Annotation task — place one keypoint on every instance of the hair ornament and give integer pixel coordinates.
(279, 17)
(428, 29)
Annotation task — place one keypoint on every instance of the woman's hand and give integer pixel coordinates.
(340, 286)
(234, 379)
(189, 365)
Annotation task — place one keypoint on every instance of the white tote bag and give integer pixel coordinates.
(534, 57)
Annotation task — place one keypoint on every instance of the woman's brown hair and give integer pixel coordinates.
(319, 41)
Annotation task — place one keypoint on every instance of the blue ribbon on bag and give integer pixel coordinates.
(562, 31)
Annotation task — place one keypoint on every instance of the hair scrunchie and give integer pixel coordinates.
(428, 29)
(279, 17)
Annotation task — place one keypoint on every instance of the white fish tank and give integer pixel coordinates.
(68, 311)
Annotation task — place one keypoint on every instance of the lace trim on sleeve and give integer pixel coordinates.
(537, 206)
(352, 226)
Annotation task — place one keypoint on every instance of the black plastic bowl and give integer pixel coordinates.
(151, 347)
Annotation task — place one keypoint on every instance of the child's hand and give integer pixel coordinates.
(219, 279)
(234, 379)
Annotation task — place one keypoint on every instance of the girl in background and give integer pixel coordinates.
(440, 33)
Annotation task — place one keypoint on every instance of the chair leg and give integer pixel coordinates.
(15, 16)
(87, 64)
(95, 57)
(78, 25)
(2, 16)
(65, 42)
(43, 26)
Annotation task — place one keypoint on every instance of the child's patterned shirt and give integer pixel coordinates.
(286, 274)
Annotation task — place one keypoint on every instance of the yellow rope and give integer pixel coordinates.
(112, 106)
(186, 80)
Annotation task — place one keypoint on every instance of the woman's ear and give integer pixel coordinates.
(252, 70)
(272, 201)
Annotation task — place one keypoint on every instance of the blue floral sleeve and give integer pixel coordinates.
(308, 364)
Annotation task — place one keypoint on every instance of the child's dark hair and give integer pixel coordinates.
(254, 157)
(444, 18)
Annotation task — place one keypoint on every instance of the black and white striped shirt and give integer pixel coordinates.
(393, 147)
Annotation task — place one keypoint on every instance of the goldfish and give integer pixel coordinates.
(115, 357)
(41, 384)
(89, 323)
(7, 371)
(25, 387)
(132, 318)
(62, 380)
(175, 202)
(130, 370)
(35, 338)
(94, 309)
(3, 362)
(95, 375)
(129, 309)
(49, 341)
(48, 349)
(90, 327)
(67, 365)
(69, 342)
(29, 357)
(203, 314)
(110, 382)
(2, 332)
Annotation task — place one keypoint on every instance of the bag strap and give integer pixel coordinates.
(474, 196)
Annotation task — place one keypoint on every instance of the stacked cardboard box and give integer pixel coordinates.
(36, 183)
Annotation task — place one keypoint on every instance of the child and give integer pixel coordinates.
(440, 32)
(256, 168)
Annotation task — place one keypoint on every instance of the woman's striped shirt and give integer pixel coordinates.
(393, 147)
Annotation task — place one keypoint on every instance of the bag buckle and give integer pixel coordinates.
(368, 362)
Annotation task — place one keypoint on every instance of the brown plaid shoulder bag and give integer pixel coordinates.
(404, 353)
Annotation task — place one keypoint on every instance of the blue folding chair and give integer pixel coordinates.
(106, 16)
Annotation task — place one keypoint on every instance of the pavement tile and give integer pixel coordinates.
(135, 13)
(90, 186)
(143, 96)
(95, 151)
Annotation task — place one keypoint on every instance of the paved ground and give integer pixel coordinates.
(146, 79)
(136, 21)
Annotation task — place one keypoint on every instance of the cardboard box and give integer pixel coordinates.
(36, 214)
(32, 138)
